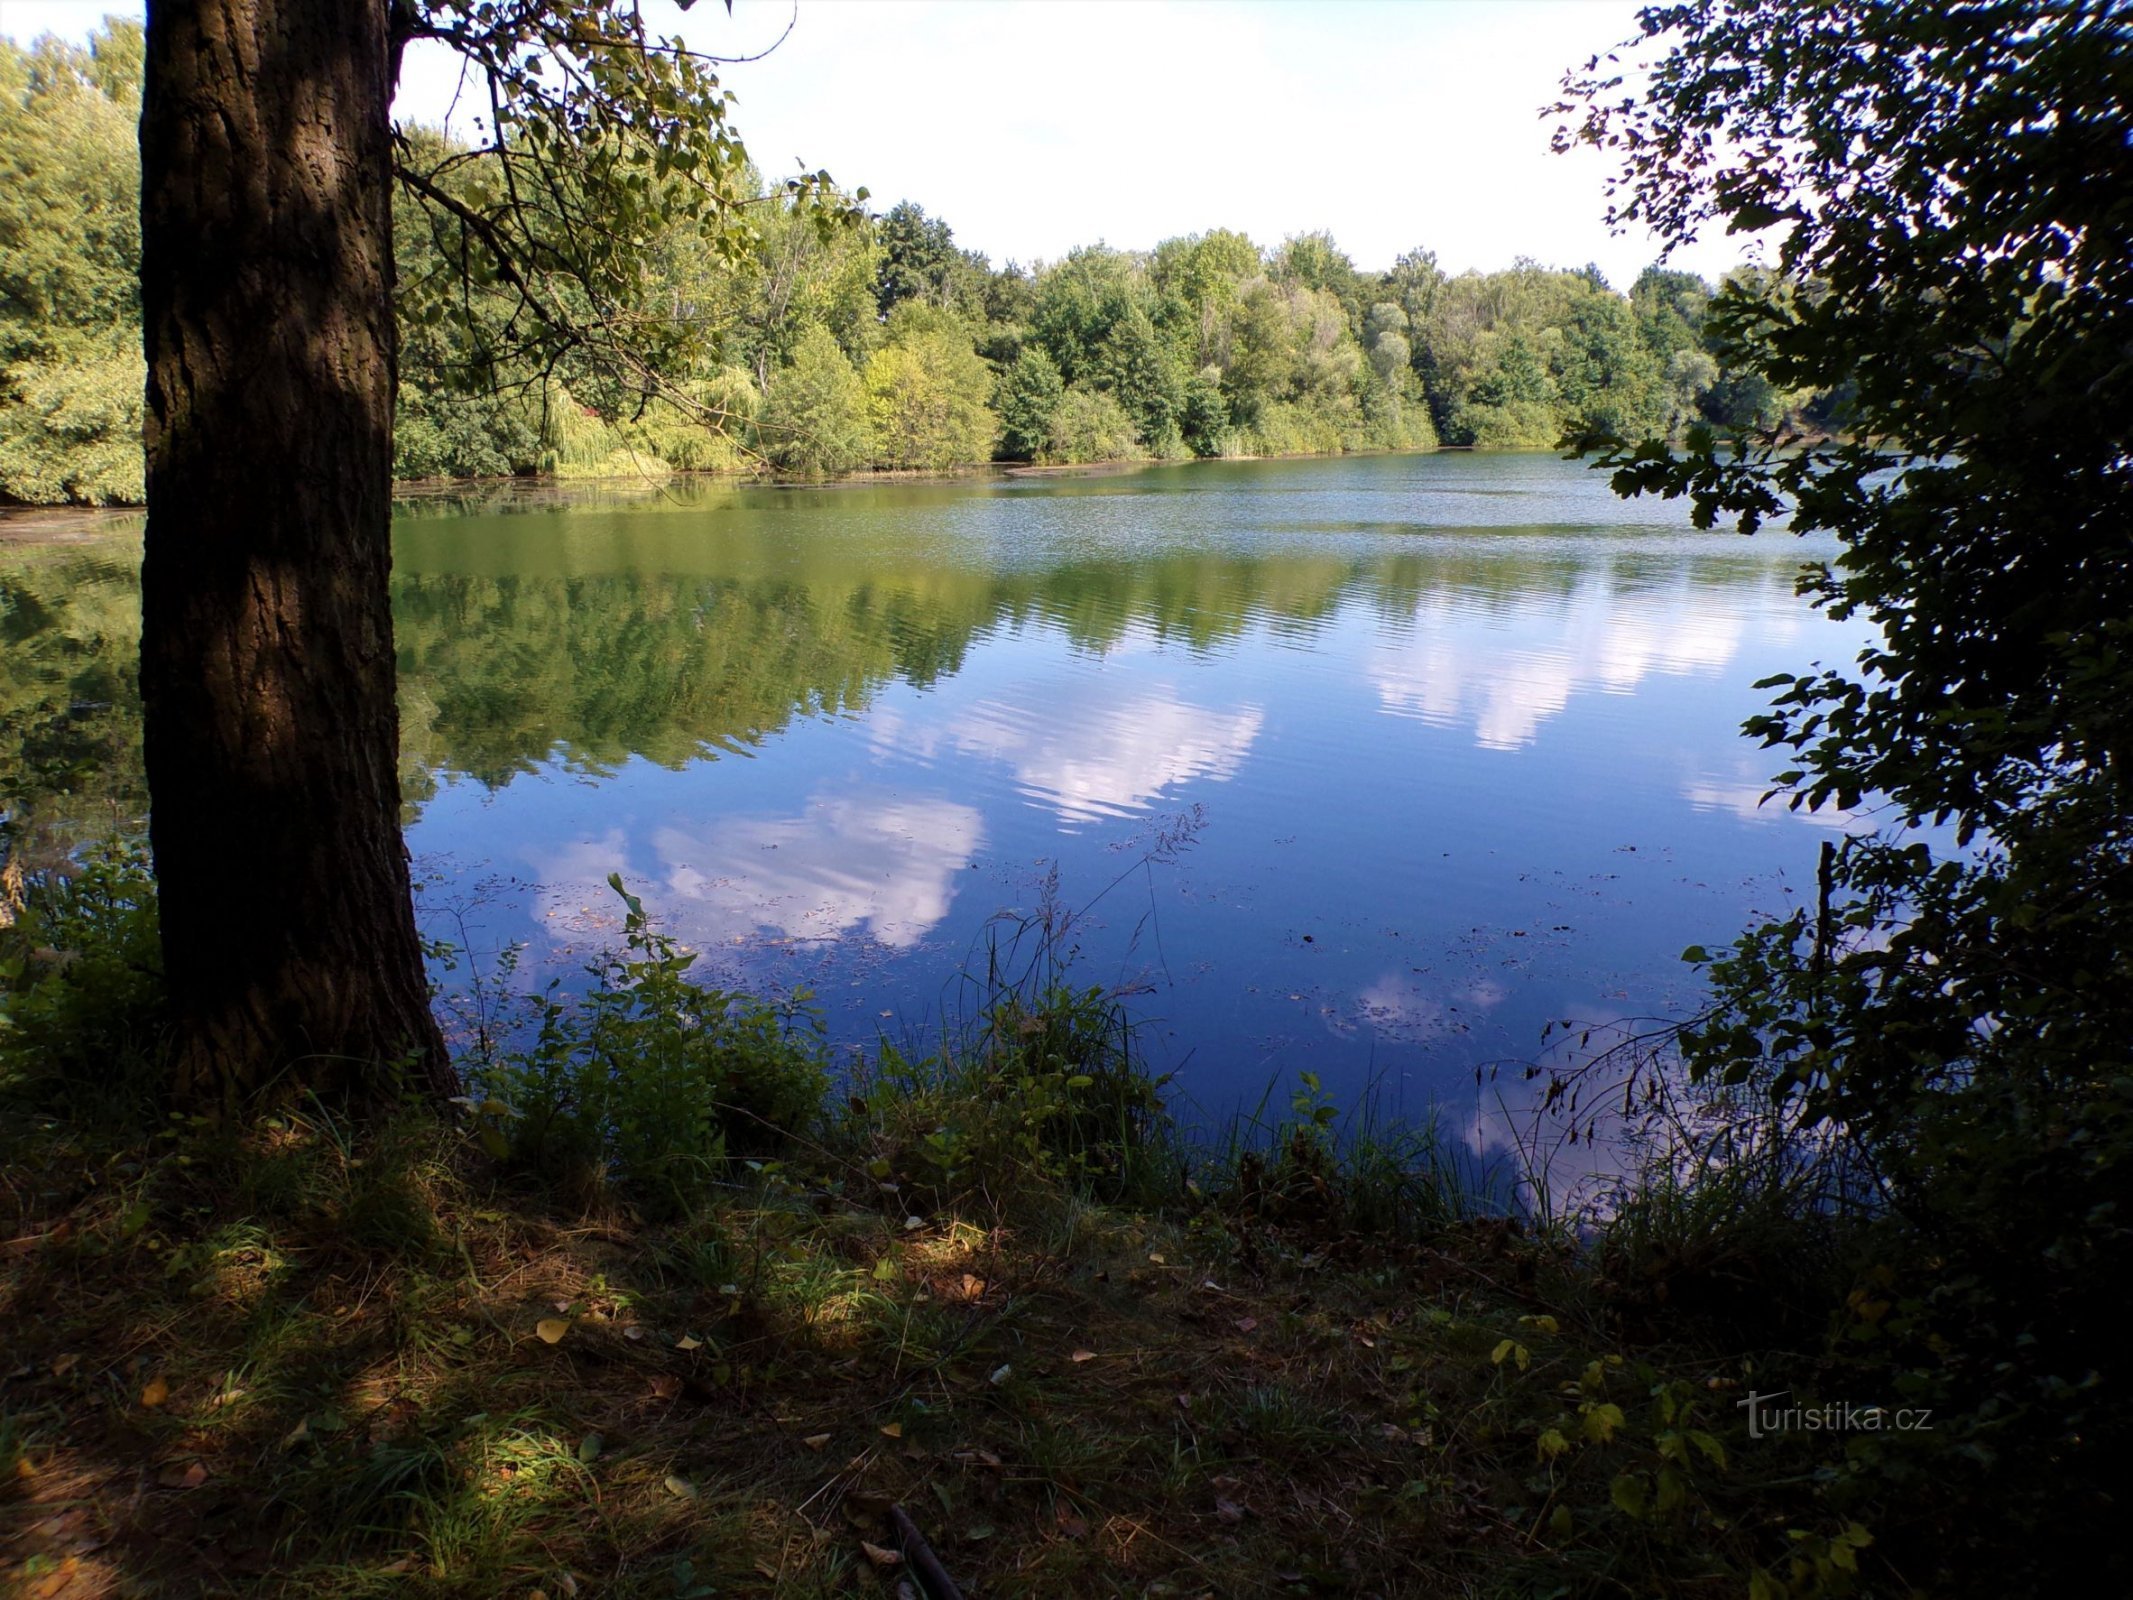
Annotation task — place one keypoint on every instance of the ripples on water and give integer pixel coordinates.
(1454, 739)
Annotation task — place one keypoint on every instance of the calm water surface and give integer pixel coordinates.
(1370, 767)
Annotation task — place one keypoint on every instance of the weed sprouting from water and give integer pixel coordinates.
(649, 1074)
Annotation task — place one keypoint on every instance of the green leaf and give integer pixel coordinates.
(1673, 1490)
(1602, 1421)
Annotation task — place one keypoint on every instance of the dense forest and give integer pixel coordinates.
(831, 349)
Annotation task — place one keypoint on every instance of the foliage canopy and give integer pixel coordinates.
(1952, 189)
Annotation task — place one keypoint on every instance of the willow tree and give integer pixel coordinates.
(269, 160)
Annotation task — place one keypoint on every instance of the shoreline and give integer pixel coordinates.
(53, 523)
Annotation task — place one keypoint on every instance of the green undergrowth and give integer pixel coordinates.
(662, 1309)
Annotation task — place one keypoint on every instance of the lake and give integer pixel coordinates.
(1370, 766)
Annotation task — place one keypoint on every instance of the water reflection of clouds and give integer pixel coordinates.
(1740, 789)
(1087, 753)
(883, 864)
(1508, 670)
(1403, 1009)
(856, 861)
(1567, 1160)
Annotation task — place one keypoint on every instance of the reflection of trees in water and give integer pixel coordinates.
(500, 674)
(70, 709)
(607, 635)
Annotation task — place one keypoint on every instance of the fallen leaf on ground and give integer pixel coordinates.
(894, 1430)
(881, 1555)
(551, 1329)
(1229, 1511)
(1080, 1356)
(815, 1441)
(681, 1487)
(1247, 1324)
(665, 1385)
(688, 1342)
(154, 1393)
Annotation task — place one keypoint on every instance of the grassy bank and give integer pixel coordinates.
(292, 1361)
(658, 1311)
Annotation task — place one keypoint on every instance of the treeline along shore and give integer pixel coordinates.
(873, 343)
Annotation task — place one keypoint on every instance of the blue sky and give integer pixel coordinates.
(1036, 125)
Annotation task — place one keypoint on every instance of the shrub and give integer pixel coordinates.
(81, 984)
(1088, 426)
(70, 434)
(815, 419)
(1028, 399)
(1042, 1091)
(650, 1077)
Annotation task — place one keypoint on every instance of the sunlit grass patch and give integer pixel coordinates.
(727, 1398)
(311, 1356)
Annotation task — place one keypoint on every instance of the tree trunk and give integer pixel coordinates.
(272, 735)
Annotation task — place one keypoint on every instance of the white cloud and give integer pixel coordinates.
(1677, 639)
(878, 863)
(857, 861)
(1085, 755)
(1513, 1121)
(1035, 127)
(1506, 671)
(1740, 787)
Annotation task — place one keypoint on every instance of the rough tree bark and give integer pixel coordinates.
(266, 637)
